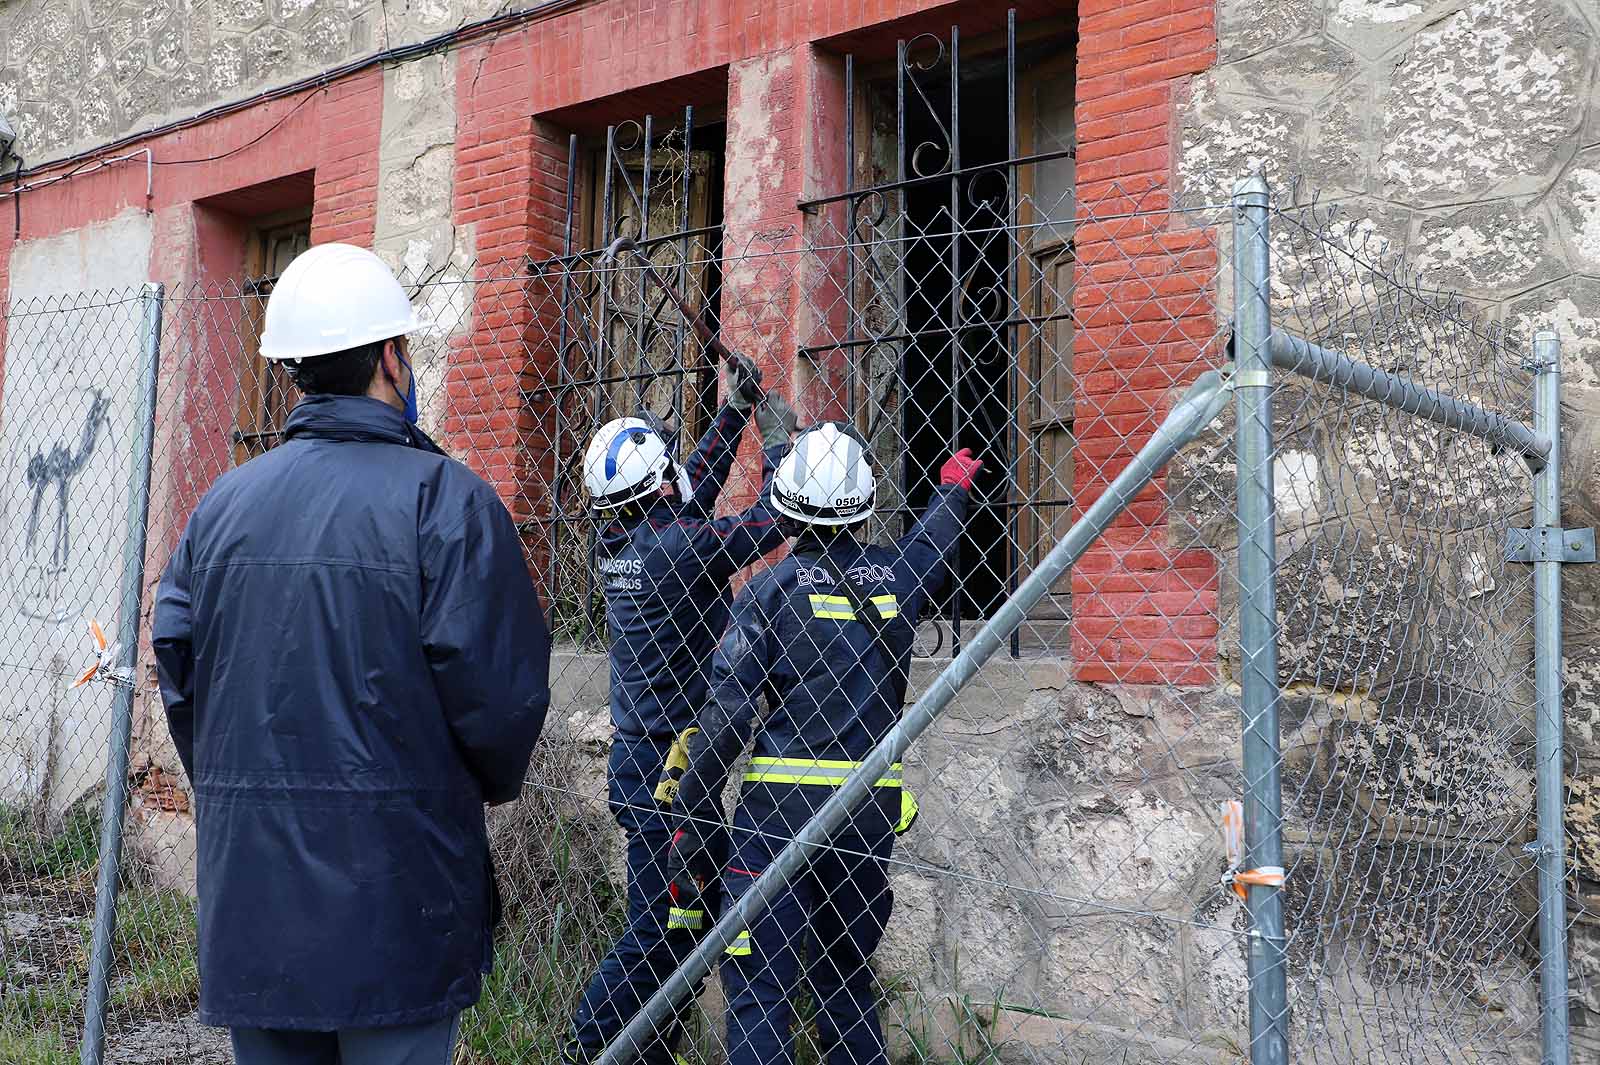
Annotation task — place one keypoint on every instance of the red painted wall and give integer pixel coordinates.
(1145, 613)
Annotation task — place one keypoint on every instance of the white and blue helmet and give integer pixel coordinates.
(826, 478)
(627, 460)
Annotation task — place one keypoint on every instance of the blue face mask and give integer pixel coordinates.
(410, 410)
(411, 392)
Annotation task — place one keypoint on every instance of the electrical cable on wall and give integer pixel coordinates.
(439, 42)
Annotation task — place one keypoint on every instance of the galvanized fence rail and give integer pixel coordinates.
(1235, 732)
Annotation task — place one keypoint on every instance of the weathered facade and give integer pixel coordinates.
(1461, 134)
(1465, 138)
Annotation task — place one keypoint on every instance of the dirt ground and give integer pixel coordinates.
(184, 1040)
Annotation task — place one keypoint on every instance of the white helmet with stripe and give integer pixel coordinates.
(627, 460)
(826, 478)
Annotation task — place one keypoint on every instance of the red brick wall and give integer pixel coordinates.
(350, 120)
(1143, 610)
(510, 194)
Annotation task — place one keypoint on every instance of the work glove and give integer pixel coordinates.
(744, 382)
(776, 420)
(960, 469)
(693, 862)
(677, 764)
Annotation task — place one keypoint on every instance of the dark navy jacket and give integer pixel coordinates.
(665, 577)
(353, 660)
(833, 689)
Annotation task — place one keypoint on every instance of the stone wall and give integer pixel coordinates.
(1067, 864)
(1462, 136)
(77, 73)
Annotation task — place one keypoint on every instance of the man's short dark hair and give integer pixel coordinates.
(343, 373)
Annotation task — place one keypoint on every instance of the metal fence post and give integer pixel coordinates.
(1258, 621)
(1551, 845)
(132, 585)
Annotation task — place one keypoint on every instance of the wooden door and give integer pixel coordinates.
(647, 357)
(1046, 265)
(266, 395)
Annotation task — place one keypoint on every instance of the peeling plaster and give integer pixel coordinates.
(1578, 206)
(1377, 12)
(1484, 103)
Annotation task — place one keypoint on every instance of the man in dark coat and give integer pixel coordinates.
(353, 661)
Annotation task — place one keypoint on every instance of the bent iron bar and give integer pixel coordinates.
(1198, 408)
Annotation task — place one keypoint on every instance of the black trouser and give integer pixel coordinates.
(415, 1044)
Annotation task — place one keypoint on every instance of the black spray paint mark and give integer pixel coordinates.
(56, 469)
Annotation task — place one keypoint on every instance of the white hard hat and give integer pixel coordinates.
(826, 478)
(626, 460)
(334, 297)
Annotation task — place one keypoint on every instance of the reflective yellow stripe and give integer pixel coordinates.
(691, 920)
(825, 771)
(740, 947)
(838, 608)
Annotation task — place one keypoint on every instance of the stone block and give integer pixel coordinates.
(1245, 27)
(912, 946)
(1497, 247)
(227, 62)
(1332, 252)
(1339, 153)
(1373, 27)
(1581, 659)
(1486, 102)
(1358, 607)
(1193, 748)
(1413, 756)
(1583, 839)
(1132, 850)
(996, 943)
(1303, 70)
(1121, 970)
(1080, 738)
(966, 795)
(1571, 307)
(1385, 466)
(1215, 994)
(241, 14)
(167, 48)
(38, 71)
(419, 191)
(1577, 209)
(327, 36)
(1226, 136)
(269, 52)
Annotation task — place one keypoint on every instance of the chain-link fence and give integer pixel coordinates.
(1066, 892)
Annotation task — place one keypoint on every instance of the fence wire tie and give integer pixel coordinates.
(1240, 880)
(104, 668)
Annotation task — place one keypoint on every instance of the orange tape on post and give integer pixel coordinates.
(1266, 876)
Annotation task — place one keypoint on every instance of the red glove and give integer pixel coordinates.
(960, 469)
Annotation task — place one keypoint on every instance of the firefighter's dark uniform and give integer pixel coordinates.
(834, 685)
(665, 577)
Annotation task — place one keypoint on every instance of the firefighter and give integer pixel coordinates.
(664, 565)
(825, 636)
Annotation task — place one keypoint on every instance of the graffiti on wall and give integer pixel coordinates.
(47, 546)
(54, 464)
